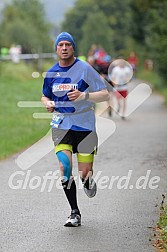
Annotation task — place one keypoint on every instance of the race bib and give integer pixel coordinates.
(56, 120)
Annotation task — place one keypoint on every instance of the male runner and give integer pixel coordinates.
(70, 89)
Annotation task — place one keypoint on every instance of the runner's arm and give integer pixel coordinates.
(50, 105)
(98, 96)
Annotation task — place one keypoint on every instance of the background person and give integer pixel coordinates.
(103, 70)
(15, 52)
(91, 55)
(133, 61)
(120, 75)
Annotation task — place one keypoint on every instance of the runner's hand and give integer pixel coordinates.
(76, 95)
(50, 106)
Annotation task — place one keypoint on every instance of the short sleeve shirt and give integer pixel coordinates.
(59, 81)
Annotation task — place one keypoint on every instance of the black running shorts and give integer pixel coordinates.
(81, 141)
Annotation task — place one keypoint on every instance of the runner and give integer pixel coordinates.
(70, 89)
(120, 76)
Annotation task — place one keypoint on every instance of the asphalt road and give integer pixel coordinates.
(119, 218)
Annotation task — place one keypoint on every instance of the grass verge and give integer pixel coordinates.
(18, 127)
(155, 80)
(161, 229)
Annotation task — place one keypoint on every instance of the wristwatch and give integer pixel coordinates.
(86, 96)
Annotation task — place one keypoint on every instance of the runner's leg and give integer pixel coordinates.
(68, 181)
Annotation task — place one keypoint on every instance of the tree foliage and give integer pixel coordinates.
(156, 35)
(118, 26)
(121, 26)
(91, 35)
(24, 23)
(106, 20)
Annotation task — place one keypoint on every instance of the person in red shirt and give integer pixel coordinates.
(133, 60)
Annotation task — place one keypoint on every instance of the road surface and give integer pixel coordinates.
(127, 204)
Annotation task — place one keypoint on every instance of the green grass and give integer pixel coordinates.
(162, 227)
(18, 127)
(155, 80)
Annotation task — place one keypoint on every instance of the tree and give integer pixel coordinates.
(75, 18)
(124, 26)
(92, 35)
(117, 13)
(149, 29)
(156, 35)
(113, 21)
(24, 23)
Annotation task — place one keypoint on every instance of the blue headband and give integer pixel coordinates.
(65, 36)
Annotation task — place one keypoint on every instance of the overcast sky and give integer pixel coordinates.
(55, 9)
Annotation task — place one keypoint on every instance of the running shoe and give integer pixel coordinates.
(74, 220)
(91, 191)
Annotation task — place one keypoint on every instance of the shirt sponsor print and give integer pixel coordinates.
(64, 87)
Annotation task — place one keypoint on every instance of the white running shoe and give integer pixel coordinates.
(74, 220)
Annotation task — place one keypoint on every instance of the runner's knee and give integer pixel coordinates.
(64, 160)
(85, 158)
(65, 167)
(85, 164)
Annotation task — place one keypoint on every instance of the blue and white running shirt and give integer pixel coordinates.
(59, 81)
